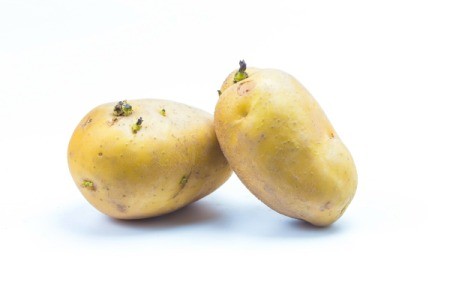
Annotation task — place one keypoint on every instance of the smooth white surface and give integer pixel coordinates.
(380, 70)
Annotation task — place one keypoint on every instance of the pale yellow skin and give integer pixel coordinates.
(172, 161)
(281, 145)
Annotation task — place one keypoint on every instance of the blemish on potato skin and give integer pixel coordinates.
(184, 180)
(326, 206)
(120, 207)
(245, 87)
(182, 183)
(89, 120)
(113, 121)
(262, 136)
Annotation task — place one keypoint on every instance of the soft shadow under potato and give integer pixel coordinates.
(84, 221)
(189, 215)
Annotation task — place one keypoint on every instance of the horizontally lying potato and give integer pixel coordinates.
(281, 145)
(144, 158)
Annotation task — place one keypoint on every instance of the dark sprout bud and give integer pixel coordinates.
(123, 108)
(118, 109)
(242, 66)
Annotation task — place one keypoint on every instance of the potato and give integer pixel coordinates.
(281, 145)
(144, 158)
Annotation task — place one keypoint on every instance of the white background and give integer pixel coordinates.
(380, 70)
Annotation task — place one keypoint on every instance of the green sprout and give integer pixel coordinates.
(183, 180)
(88, 184)
(241, 74)
(136, 127)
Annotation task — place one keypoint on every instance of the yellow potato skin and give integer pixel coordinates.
(281, 145)
(172, 161)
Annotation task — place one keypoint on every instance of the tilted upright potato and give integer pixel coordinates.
(144, 158)
(281, 145)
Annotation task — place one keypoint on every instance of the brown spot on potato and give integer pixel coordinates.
(245, 87)
(326, 206)
(100, 154)
(89, 120)
(120, 207)
(262, 136)
(113, 121)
